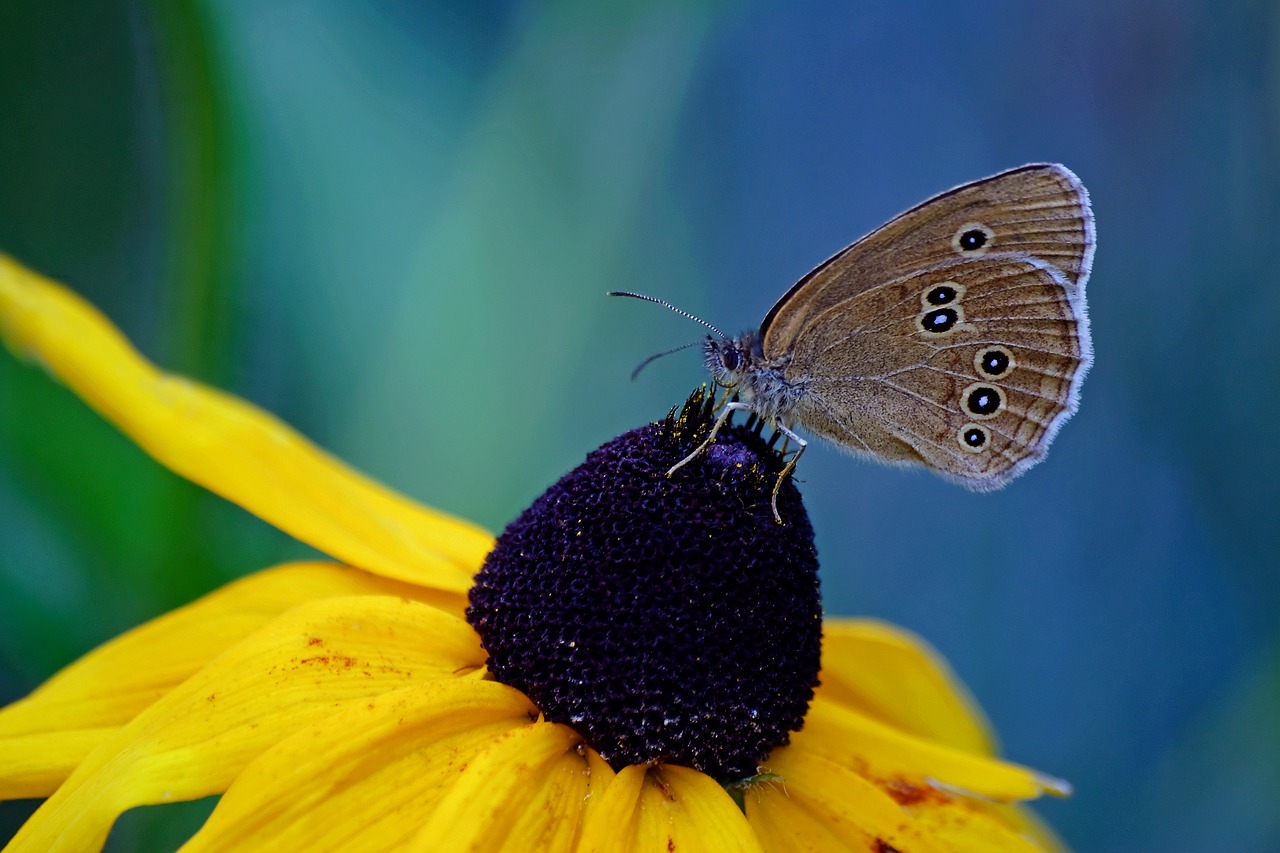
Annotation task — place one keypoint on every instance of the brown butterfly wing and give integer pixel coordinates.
(968, 367)
(1041, 210)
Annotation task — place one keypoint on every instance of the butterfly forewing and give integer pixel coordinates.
(1041, 210)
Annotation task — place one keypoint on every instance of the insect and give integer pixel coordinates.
(955, 336)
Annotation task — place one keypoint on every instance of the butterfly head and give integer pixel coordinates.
(731, 359)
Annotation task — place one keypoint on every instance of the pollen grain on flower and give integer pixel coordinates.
(908, 793)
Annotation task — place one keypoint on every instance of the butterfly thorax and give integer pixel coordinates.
(740, 364)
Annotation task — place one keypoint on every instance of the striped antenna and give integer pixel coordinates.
(666, 304)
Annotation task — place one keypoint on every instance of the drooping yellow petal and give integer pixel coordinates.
(819, 806)
(106, 688)
(233, 448)
(526, 791)
(890, 757)
(34, 765)
(1025, 823)
(961, 823)
(304, 666)
(895, 677)
(370, 775)
(660, 809)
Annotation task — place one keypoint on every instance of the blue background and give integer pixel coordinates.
(392, 223)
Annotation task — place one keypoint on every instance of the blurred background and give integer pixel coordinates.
(392, 223)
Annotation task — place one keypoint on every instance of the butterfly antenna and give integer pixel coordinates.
(642, 365)
(666, 304)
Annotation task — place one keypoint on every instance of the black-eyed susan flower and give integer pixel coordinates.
(634, 666)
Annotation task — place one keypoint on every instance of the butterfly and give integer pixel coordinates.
(955, 336)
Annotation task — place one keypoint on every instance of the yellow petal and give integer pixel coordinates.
(302, 667)
(895, 677)
(525, 792)
(890, 757)
(34, 765)
(970, 825)
(106, 688)
(665, 808)
(367, 777)
(820, 806)
(233, 448)
(1025, 823)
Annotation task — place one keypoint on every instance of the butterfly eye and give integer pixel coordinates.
(972, 238)
(994, 361)
(730, 359)
(973, 438)
(983, 401)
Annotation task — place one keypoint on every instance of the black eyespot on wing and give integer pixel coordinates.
(994, 362)
(983, 401)
(973, 437)
(939, 320)
(942, 294)
(972, 238)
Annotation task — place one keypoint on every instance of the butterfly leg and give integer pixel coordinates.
(729, 409)
(788, 468)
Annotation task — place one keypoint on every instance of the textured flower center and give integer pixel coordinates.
(665, 619)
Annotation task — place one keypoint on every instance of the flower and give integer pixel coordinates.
(351, 704)
(662, 618)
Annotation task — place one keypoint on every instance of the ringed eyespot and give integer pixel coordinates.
(973, 437)
(942, 293)
(994, 361)
(982, 401)
(939, 321)
(972, 239)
